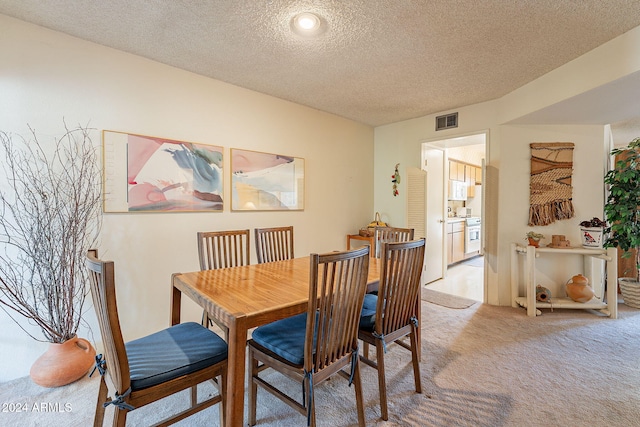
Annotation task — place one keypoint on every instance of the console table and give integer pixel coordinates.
(369, 239)
(531, 253)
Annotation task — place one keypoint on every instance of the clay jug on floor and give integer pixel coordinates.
(63, 363)
(578, 289)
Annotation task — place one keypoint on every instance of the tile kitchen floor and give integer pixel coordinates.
(463, 280)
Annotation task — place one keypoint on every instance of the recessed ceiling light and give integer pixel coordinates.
(306, 23)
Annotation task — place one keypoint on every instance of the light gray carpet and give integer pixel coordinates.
(482, 366)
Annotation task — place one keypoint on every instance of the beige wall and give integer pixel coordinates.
(47, 76)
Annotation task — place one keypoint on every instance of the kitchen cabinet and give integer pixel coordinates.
(455, 241)
(531, 253)
(456, 171)
(470, 179)
(478, 175)
(467, 173)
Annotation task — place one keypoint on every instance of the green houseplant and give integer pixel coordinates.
(534, 238)
(622, 214)
(50, 207)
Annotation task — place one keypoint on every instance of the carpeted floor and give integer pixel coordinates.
(482, 366)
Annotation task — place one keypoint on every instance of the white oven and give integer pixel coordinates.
(472, 235)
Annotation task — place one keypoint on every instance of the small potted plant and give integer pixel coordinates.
(623, 216)
(534, 238)
(591, 232)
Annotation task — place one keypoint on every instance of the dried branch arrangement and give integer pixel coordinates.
(50, 210)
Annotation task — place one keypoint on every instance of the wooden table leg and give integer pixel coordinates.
(236, 372)
(176, 297)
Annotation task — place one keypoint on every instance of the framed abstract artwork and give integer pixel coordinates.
(150, 174)
(266, 182)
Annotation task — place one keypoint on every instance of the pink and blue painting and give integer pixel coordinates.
(161, 175)
(264, 181)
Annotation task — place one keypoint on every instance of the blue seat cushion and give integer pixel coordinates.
(368, 315)
(173, 352)
(284, 337)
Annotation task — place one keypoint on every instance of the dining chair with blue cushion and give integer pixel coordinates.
(393, 313)
(385, 235)
(152, 367)
(313, 346)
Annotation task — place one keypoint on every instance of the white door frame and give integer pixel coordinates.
(451, 141)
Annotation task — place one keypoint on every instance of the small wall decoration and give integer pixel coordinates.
(559, 241)
(551, 190)
(149, 174)
(264, 181)
(395, 178)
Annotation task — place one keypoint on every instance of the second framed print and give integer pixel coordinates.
(266, 182)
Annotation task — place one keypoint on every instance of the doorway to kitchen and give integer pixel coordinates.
(455, 208)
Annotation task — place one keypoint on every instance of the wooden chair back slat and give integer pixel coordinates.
(274, 244)
(390, 235)
(223, 249)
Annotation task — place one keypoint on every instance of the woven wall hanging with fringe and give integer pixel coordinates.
(551, 191)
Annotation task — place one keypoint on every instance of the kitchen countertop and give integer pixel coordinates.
(455, 219)
(459, 219)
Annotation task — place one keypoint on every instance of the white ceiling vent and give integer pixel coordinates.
(447, 121)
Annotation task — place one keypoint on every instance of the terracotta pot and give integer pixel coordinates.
(533, 242)
(63, 363)
(578, 289)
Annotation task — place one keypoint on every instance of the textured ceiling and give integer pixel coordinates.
(375, 62)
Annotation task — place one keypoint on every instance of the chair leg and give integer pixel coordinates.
(119, 417)
(358, 390)
(418, 330)
(313, 411)
(102, 397)
(382, 384)
(415, 358)
(223, 404)
(206, 321)
(253, 388)
(365, 349)
(194, 395)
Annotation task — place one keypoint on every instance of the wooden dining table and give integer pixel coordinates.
(245, 297)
